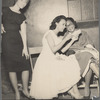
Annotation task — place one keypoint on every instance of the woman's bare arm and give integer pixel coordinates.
(52, 45)
(24, 39)
(74, 38)
(23, 34)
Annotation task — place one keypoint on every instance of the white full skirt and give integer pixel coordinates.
(53, 74)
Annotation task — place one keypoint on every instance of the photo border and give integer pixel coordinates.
(0, 51)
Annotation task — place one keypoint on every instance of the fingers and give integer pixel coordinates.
(22, 54)
(2, 29)
(26, 55)
(75, 37)
(69, 36)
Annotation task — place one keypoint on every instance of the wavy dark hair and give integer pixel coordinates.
(73, 21)
(56, 20)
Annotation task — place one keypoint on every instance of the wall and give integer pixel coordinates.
(94, 35)
(39, 15)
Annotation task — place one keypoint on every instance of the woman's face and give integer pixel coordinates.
(70, 26)
(61, 25)
(22, 3)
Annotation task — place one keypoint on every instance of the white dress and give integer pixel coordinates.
(52, 75)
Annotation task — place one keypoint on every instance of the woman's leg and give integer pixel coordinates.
(75, 92)
(13, 79)
(95, 69)
(87, 82)
(25, 79)
(75, 88)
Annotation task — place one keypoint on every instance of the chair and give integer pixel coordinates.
(33, 51)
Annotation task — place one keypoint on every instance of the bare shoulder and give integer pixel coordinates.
(49, 34)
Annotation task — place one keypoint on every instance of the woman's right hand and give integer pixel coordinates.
(69, 36)
(25, 53)
(2, 29)
(74, 38)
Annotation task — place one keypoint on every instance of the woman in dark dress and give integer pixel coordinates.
(14, 45)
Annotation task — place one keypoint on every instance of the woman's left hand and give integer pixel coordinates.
(74, 38)
(25, 52)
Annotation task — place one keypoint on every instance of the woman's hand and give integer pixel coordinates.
(74, 38)
(25, 52)
(67, 37)
(2, 29)
(76, 34)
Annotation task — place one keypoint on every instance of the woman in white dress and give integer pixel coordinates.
(54, 73)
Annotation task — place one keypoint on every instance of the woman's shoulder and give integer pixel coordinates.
(23, 17)
(5, 10)
(49, 32)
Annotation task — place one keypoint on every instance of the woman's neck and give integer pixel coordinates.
(15, 8)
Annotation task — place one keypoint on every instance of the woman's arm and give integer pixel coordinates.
(74, 38)
(23, 35)
(52, 45)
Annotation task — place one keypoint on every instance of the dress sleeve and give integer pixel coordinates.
(4, 9)
(23, 18)
(20, 19)
(4, 13)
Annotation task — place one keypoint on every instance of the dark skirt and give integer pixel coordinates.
(12, 47)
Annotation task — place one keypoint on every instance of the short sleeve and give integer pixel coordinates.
(20, 18)
(23, 18)
(4, 13)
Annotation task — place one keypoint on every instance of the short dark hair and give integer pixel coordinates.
(56, 20)
(73, 21)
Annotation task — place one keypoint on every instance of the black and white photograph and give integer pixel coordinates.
(50, 49)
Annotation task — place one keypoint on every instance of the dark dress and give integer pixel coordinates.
(12, 44)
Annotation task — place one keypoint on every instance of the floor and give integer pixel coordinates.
(11, 96)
